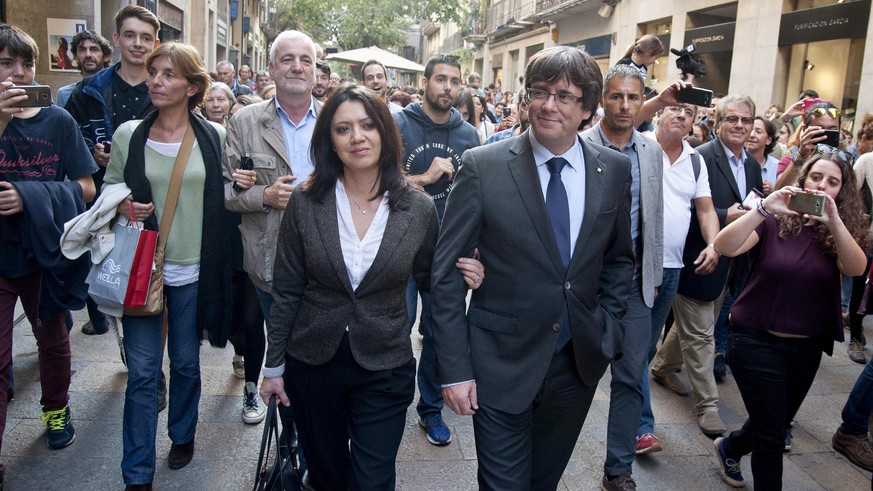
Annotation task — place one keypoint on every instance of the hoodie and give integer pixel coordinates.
(423, 140)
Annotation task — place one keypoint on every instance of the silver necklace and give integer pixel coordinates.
(359, 206)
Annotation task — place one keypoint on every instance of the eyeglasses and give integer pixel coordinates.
(737, 119)
(541, 95)
(829, 150)
(830, 111)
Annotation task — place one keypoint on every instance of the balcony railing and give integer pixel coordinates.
(509, 13)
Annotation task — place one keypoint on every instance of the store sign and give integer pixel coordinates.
(840, 21)
(711, 39)
(596, 47)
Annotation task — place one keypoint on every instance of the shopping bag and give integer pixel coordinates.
(108, 279)
(141, 270)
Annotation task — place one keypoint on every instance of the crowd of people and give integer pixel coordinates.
(598, 224)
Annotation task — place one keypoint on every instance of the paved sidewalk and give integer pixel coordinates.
(227, 449)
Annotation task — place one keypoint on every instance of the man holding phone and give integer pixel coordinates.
(45, 180)
(821, 125)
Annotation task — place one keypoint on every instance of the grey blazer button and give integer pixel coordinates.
(567, 285)
(556, 326)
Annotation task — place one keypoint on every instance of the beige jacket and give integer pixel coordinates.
(256, 131)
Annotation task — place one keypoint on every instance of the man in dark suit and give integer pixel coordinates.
(550, 216)
(733, 173)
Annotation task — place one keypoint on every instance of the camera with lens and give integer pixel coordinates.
(689, 64)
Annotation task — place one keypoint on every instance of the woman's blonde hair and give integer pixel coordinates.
(188, 62)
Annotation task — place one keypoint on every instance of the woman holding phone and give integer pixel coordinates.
(779, 325)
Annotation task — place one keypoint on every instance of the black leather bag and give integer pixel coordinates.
(281, 471)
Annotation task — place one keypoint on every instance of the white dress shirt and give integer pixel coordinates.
(573, 177)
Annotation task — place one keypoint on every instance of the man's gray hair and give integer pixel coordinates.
(733, 100)
(291, 34)
(225, 63)
(624, 71)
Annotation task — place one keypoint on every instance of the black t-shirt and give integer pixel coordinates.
(46, 147)
(128, 101)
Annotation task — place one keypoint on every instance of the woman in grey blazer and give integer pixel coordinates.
(338, 340)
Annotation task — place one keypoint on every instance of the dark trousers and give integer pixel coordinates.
(530, 450)
(349, 419)
(856, 320)
(52, 343)
(248, 338)
(773, 375)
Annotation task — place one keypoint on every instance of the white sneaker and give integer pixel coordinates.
(239, 367)
(253, 411)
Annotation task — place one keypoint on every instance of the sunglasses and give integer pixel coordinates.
(827, 150)
(830, 111)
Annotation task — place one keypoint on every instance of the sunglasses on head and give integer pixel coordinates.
(830, 111)
(826, 150)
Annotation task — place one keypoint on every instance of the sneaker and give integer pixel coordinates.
(624, 482)
(719, 368)
(239, 367)
(437, 432)
(60, 431)
(253, 411)
(856, 352)
(730, 468)
(648, 443)
(855, 448)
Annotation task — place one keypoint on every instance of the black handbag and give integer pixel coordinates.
(282, 471)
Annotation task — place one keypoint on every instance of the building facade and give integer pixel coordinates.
(235, 30)
(767, 49)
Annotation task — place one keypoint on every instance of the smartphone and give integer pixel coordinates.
(751, 200)
(808, 203)
(693, 95)
(37, 95)
(807, 103)
(832, 138)
(107, 147)
(507, 112)
(246, 163)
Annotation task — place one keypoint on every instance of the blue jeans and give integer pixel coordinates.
(626, 398)
(720, 334)
(430, 393)
(860, 404)
(660, 310)
(142, 343)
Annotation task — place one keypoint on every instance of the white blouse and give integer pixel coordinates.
(359, 254)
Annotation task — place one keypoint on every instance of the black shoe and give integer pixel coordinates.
(719, 369)
(90, 330)
(162, 393)
(135, 487)
(181, 455)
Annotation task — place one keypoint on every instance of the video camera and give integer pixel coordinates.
(689, 64)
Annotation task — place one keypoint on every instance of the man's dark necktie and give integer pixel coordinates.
(558, 207)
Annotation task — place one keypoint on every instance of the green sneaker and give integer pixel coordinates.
(60, 431)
